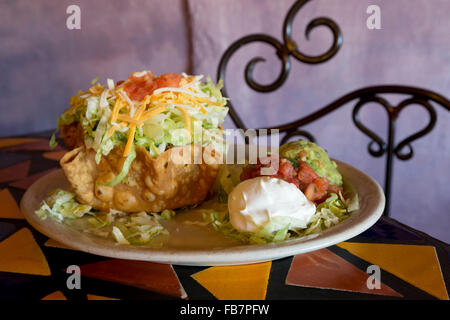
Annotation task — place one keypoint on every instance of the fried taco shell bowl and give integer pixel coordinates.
(151, 185)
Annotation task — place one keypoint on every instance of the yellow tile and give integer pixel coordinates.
(57, 295)
(20, 253)
(246, 282)
(418, 265)
(8, 206)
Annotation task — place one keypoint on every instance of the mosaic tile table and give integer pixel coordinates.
(32, 266)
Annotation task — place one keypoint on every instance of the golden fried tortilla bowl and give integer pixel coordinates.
(174, 179)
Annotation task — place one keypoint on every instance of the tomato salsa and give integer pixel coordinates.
(315, 188)
(138, 86)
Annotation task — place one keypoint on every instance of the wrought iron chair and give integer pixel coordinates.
(288, 48)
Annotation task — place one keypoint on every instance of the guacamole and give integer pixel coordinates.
(316, 157)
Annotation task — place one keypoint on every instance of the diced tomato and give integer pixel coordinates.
(139, 87)
(168, 80)
(335, 189)
(315, 188)
(285, 169)
(305, 174)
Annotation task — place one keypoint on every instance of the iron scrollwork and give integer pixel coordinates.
(390, 148)
(393, 113)
(283, 50)
(377, 147)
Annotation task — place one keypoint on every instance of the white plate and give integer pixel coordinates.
(191, 244)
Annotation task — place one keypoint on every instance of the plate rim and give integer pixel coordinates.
(235, 255)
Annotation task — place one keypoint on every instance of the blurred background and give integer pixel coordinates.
(43, 63)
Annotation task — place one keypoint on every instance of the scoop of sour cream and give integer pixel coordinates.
(255, 202)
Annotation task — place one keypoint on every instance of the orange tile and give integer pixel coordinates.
(41, 145)
(28, 181)
(151, 276)
(7, 142)
(57, 295)
(54, 155)
(325, 270)
(15, 172)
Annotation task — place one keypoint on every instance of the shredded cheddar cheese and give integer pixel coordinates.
(130, 140)
(115, 112)
(209, 102)
(132, 114)
(152, 112)
(130, 119)
(114, 128)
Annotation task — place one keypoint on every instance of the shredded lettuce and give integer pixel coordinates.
(213, 90)
(138, 228)
(118, 235)
(66, 119)
(329, 213)
(62, 204)
(97, 221)
(93, 112)
(220, 221)
(92, 109)
(167, 214)
(227, 178)
(125, 169)
(53, 143)
(135, 229)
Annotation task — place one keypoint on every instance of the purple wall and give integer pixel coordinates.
(43, 64)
